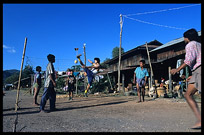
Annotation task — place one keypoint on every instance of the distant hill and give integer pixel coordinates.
(7, 73)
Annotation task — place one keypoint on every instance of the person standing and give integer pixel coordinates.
(140, 79)
(71, 81)
(37, 85)
(49, 91)
(193, 60)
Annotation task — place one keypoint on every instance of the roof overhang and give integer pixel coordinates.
(173, 42)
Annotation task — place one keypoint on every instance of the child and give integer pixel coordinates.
(141, 75)
(90, 73)
(70, 82)
(37, 84)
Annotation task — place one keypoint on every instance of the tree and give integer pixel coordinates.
(115, 51)
(103, 65)
(11, 79)
(60, 83)
(27, 71)
(76, 68)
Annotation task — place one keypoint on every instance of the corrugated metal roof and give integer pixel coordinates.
(178, 40)
(151, 44)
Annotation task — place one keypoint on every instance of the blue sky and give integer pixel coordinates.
(59, 28)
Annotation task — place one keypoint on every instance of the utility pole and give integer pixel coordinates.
(119, 61)
(76, 49)
(84, 53)
(84, 61)
(18, 89)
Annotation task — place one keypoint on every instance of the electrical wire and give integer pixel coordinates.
(160, 25)
(158, 11)
(163, 10)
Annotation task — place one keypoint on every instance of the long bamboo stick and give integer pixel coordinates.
(119, 59)
(19, 80)
(18, 89)
(149, 64)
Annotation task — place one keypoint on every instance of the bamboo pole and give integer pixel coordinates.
(84, 54)
(19, 80)
(170, 80)
(150, 65)
(18, 89)
(119, 61)
(76, 49)
(123, 82)
(110, 81)
(84, 62)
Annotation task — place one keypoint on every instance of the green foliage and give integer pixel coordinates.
(11, 79)
(101, 86)
(76, 68)
(115, 52)
(60, 83)
(27, 71)
(7, 73)
(103, 65)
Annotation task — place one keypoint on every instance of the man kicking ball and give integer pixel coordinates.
(90, 73)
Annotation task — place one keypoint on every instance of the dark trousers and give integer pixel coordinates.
(51, 94)
(70, 88)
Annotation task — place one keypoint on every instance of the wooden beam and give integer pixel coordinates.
(170, 81)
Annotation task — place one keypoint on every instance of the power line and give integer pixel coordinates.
(160, 25)
(60, 64)
(159, 11)
(46, 58)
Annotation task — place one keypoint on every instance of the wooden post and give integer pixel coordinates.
(149, 83)
(123, 83)
(121, 26)
(109, 81)
(19, 80)
(32, 89)
(84, 54)
(84, 62)
(170, 81)
(76, 49)
(18, 89)
(76, 86)
(150, 65)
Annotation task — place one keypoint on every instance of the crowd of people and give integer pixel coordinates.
(192, 59)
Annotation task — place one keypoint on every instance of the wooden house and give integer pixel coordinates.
(167, 56)
(129, 62)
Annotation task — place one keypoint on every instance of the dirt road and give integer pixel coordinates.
(99, 114)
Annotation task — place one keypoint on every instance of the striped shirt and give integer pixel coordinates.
(49, 71)
(193, 54)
